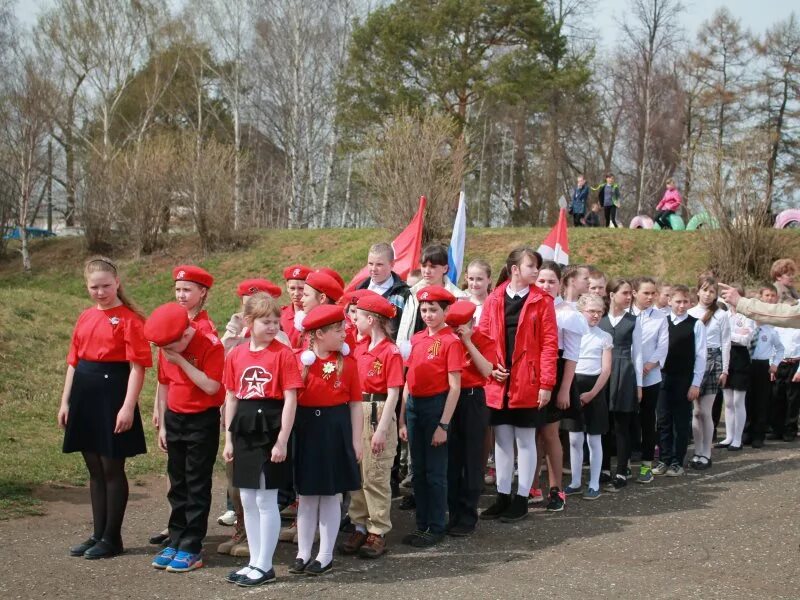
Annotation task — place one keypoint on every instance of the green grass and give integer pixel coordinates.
(38, 311)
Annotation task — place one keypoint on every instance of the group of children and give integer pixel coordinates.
(327, 398)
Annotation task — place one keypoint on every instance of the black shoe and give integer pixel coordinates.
(555, 501)
(722, 445)
(315, 568)
(265, 577)
(103, 549)
(605, 477)
(617, 485)
(460, 530)
(774, 436)
(408, 503)
(409, 538)
(427, 539)
(346, 526)
(298, 567)
(747, 440)
(702, 465)
(516, 511)
(81, 548)
(789, 437)
(501, 504)
(158, 539)
(234, 576)
(733, 448)
(758, 443)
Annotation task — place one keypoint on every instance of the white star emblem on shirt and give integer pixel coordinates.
(253, 381)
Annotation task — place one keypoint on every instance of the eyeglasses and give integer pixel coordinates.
(593, 313)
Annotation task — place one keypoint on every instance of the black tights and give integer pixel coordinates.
(108, 488)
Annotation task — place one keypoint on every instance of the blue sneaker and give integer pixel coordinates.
(185, 561)
(591, 494)
(645, 475)
(163, 558)
(573, 491)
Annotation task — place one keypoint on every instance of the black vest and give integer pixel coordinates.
(512, 308)
(622, 334)
(680, 357)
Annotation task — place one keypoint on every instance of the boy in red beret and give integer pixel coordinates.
(429, 399)
(190, 393)
(295, 277)
(192, 284)
(469, 423)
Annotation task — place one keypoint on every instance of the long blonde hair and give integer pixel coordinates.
(103, 264)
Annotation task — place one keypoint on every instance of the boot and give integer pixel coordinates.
(516, 511)
(500, 505)
(239, 536)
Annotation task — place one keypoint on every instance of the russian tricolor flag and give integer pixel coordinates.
(555, 246)
(455, 253)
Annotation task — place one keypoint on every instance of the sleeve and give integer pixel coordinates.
(488, 348)
(72, 354)
(742, 335)
(455, 357)
(607, 342)
(162, 379)
(780, 315)
(548, 346)
(290, 377)
(394, 369)
(725, 341)
(777, 345)
(662, 343)
(354, 385)
(229, 374)
(636, 349)
(406, 329)
(488, 308)
(660, 204)
(214, 362)
(699, 353)
(137, 348)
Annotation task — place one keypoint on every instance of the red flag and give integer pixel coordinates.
(555, 246)
(407, 248)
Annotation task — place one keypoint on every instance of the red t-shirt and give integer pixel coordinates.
(432, 358)
(204, 352)
(262, 374)
(287, 325)
(113, 335)
(380, 368)
(326, 387)
(203, 323)
(470, 377)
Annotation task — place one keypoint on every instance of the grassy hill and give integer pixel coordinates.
(37, 313)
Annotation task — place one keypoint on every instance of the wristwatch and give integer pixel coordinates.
(444, 426)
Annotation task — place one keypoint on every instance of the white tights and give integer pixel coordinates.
(504, 438)
(703, 425)
(576, 458)
(325, 510)
(735, 415)
(262, 521)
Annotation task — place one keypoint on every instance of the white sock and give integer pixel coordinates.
(361, 529)
(252, 521)
(307, 519)
(270, 521)
(244, 570)
(504, 457)
(329, 520)
(730, 416)
(526, 458)
(576, 458)
(595, 459)
(740, 414)
(703, 425)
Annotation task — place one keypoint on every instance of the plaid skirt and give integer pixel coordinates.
(710, 385)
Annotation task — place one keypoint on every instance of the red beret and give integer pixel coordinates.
(248, 287)
(325, 284)
(326, 314)
(193, 274)
(166, 324)
(375, 303)
(296, 272)
(435, 293)
(460, 313)
(354, 296)
(333, 273)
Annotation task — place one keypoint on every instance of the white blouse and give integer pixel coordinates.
(571, 328)
(593, 344)
(742, 329)
(655, 341)
(718, 332)
(768, 345)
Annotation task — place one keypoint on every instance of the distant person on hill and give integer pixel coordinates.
(593, 217)
(580, 196)
(608, 195)
(670, 204)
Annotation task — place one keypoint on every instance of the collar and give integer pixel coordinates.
(517, 294)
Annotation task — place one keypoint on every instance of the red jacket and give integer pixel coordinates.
(535, 349)
(287, 325)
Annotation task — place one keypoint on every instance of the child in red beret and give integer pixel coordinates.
(380, 369)
(261, 378)
(470, 422)
(295, 277)
(189, 396)
(429, 399)
(328, 437)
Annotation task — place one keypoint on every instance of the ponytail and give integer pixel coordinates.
(106, 265)
(515, 258)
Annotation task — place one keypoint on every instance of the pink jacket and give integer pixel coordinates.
(670, 201)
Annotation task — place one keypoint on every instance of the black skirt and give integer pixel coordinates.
(325, 462)
(553, 413)
(739, 369)
(97, 394)
(591, 418)
(255, 428)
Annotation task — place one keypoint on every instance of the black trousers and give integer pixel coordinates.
(576, 219)
(622, 437)
(785, 401)
(758, 400)
(611, 215)
(647, 419)
(674, 418)
(465, 456)
(192, 445)
(662, 218)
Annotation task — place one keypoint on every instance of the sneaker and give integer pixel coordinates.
(659, 468)
(228, 518)
(373, 547)
(407, 482)
(591, 494)
(573, 491)
(628, 473)
(516, 511)
(618, 483)
(645, 475)
(557, 500)
(353, 543)
(491, 476)
(501, 504)
(605, 476)
(238, 537)
(675, 471)
(427, 539)
(460, 530)
(163, 558)
(290, 512)
(410, 537)
(536, 497)
(184, 562)
(288, 533)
